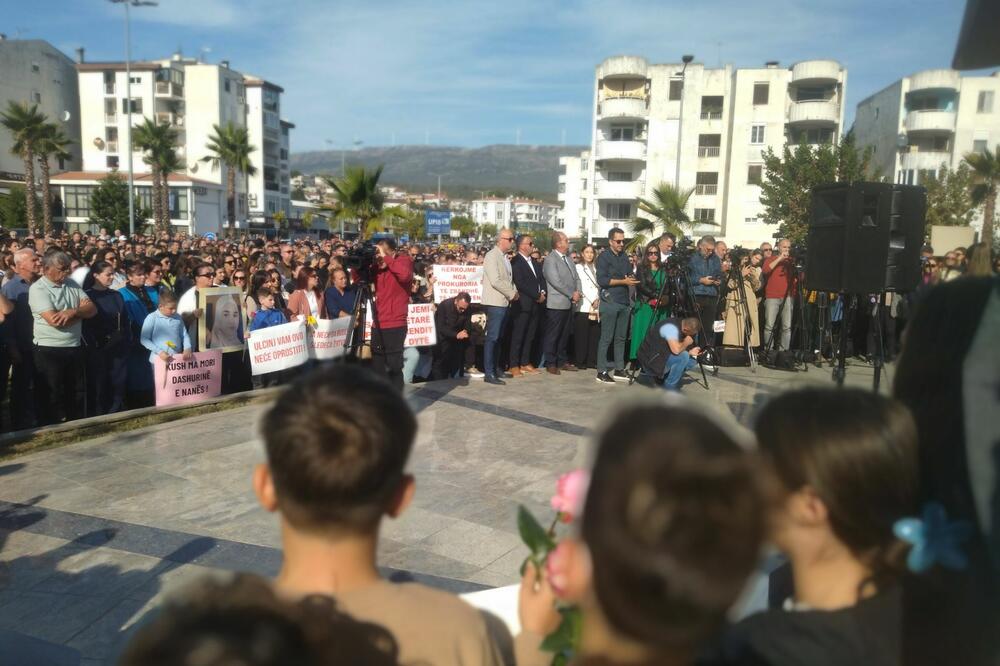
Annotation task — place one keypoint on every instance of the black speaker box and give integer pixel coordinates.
(733, 357)
(865, 237)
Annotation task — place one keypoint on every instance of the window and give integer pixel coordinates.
(979, 146)
(178, 201)
(36, 97)
(807, 94)
(136, 79)
(226, 83)
(760, 93)
(755, 173)
(876, 113)
(77, 200)
(750, 221)
(35, 67)
(923, 175)
(499, 215)
(618, 211)
(706, 182)
(676, 87)
(926, 103)
(985, 104)
(757, 134)
(136, 105)
(704, 215)
(283, 154)
(708, 145)
(622, 132)
(562, 188)
(711, 107)
(620, 176)
(583, 164)
(112, 161)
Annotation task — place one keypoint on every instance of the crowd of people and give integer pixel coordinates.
(882, 508)
(86, 316)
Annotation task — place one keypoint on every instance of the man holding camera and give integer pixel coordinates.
(393, 282)
(778, 269)
(705, 273)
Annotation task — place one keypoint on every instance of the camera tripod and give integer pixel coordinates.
(364, 303)
(878, 358)
(736, 275)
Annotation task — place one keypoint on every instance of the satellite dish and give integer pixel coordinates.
(66, 115)
(99, 142)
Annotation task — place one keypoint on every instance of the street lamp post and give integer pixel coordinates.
(128, 104)
(686, 59)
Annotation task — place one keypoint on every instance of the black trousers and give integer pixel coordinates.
(107, 373)
(586, 333)
(709, 311)
(522, 336)
(557, 330)
(387, 353)
(25, 394)
(60, 379)
(449, 358)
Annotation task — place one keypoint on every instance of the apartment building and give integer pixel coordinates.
(514, 213)
(192, 97)
(571, 218)
(928, 119)
(701, 129)
(34, 72)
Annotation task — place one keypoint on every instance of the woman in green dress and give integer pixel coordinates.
(648, 309)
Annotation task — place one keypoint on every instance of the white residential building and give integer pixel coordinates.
(928, 119)
(573, 186)
(192, 97)
(269, 188)
(702, 129)
(514, 213)
(34, 72)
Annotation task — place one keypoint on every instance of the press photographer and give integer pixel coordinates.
(779, 270)
(705, 272)
(668, 350)
(393, 279)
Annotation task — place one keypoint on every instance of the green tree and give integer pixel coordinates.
(307, 220)
(488, 230)
(157, 141)
(949, 198)
(25, 126)
(280, 220)
(295, 173)
(298, 194)
(52, 143)
(667, 208)
(358, 198)
(465, 225)
(986, 177)
(230, 146)
(109, 204)
(789, 178)
(14, 208)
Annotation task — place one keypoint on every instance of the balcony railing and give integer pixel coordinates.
(704, 188)
(712, 114)
(112, 146)
(708, 151)
(110, 118)
(169, 89)
(109, 88)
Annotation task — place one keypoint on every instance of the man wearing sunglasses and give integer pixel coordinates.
(187, 306)
(498, 292)
(614, 277)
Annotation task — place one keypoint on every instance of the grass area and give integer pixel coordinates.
(52, 440)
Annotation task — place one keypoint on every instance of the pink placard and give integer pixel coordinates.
(179, 382)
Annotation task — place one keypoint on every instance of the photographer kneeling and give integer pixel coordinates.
(667, 351)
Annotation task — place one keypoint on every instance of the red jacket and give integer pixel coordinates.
(392, 290)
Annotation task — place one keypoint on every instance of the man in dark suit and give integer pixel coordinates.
(453, 322)
(527, 309)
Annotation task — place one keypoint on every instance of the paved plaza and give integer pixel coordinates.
(93, 534)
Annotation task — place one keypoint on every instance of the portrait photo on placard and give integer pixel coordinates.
(221, 325)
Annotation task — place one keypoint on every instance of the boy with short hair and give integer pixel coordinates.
(266, 316)
(337, 445)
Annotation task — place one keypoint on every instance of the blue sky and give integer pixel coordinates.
(473, 73)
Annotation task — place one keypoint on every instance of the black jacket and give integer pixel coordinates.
(647, 287)
(449, 321)
(529, 285)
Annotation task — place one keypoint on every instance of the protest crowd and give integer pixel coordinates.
(881, 506)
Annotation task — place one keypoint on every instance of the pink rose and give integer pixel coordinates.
(571, 491)
(555, 568)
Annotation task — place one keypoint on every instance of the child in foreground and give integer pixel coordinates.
(337, 442)
(163, 331)
(671, 531)
(265, 317)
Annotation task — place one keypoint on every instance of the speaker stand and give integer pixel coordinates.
(840, 369)
(878, 358)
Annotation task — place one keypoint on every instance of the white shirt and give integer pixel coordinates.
(588, 287)
(531, 264)
(187, 304)
(313, 305)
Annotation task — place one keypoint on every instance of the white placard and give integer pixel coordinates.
(278, 347)
(452, 280)
(326, 339)
(421, 330)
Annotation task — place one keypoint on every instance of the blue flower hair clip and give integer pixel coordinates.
(934, 539)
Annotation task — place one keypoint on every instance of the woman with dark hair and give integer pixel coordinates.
(671, 530)
(587, 318)
(307, 299)
(250, 302)
(107, 337)
(650, 296)
(140, 298)
(276, 288)
(947, 376)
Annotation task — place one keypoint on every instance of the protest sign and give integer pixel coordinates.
(221, 323)
(421, 331)
(278, 347)
(180, 382)
(326, 339)
(452, 280)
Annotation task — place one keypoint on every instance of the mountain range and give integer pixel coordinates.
(464, 172)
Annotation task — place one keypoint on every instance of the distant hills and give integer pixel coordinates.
(533, 170)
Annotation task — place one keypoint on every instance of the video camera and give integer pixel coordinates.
(680, 257)
(362, 260)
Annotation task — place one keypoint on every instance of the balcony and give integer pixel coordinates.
(109, 88)
(710, 189)
(623, 66)
(924, 160)
(621, 150)
(619, 189)
(930, 121)
(708, 151)
(935, 79)
(169, 89)
(711, 114)
(816, 72)
(167, 118)
(111, 146)
(110, 118)
(814, 112)
(623, 107)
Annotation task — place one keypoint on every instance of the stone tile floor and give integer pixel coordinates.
(93, 535)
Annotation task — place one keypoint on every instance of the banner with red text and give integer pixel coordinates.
(421, 331)
(179, 382)
(452, 280)
(278, 347)
(326, 339)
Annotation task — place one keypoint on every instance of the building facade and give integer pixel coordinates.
(699, 129)
(514, 213)
(927, 120)
(573, 185)
(269, 188)
(34, 72)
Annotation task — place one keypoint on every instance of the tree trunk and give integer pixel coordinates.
(156, 200)
(43, 164)
(29, 190)
(981, 263)
(231, 191)
(165, 201)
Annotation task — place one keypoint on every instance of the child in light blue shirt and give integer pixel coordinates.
(163, 331)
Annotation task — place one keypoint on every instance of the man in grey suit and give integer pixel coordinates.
(498, 292)
(564, 292)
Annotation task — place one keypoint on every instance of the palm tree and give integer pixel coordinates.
(25, 124)
(52, 142)
(986, 178)
(230, 145)
(667, 209)
(157, 143)
(359, 198)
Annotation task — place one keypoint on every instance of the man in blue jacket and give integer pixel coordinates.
(614, 276)
(705, 273)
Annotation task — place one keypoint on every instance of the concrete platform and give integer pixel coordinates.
(92, 535)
